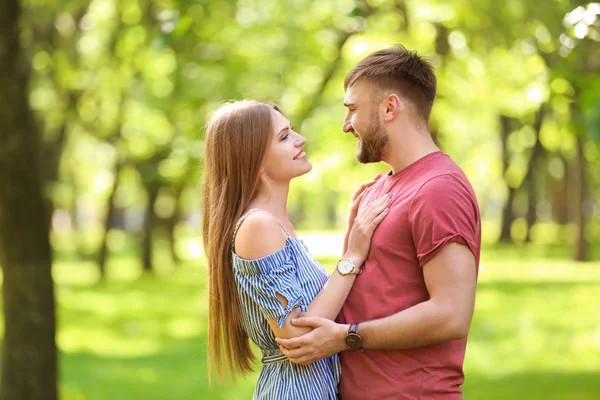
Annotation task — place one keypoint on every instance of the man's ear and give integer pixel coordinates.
(392, 105)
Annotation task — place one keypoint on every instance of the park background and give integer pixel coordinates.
(101, 159)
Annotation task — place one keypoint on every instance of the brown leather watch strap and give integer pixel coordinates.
(353, 339)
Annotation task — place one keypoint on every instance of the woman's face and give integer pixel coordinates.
(285, 158)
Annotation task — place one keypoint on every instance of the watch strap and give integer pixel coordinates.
(353, 339)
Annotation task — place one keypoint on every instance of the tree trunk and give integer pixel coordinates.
(579, 182)
(508, 216)
(110, 213)
(532, 200)
(149, 224)
(172, 222)
(29, 358)
(582, 243)
(560, 204)
(531, 180)
(74, 214)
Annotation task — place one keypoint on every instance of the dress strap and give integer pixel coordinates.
(237, 227)
(284, 231)
(249, 213)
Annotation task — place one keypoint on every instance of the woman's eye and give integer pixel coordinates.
(285, 137)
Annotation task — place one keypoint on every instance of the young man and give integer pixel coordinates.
(404, 325)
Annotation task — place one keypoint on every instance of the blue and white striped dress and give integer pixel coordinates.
(295, 274)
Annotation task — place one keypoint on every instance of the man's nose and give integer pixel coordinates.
(347, 127)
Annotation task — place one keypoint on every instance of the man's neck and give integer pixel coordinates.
(409, 146)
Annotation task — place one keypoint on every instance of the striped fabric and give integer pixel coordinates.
(297, 276)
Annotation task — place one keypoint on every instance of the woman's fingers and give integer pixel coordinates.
(383, 200)
(361, 189)
(365, 185)
(357, 201)
(373, 214)
(375, 223)
(378, 209)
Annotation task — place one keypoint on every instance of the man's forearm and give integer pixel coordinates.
(421, 325)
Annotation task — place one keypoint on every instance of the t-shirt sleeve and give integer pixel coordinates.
(442, 211)
(259, 280)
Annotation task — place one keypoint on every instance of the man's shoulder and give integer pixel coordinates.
(442, 173)
(443, 164)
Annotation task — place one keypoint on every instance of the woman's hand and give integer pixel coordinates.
(356, 199)
(367, 219)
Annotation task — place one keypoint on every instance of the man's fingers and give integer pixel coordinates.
(312, 322)
(294, 354)
(287, 343)
(302, 359)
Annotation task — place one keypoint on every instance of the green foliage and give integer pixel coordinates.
(142, 77)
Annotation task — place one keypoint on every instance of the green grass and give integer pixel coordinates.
(536, 329)
(535, 334)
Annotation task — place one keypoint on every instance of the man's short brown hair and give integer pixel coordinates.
(401, 71)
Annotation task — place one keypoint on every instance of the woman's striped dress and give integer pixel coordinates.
(295, 274)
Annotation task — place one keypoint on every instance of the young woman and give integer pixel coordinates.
(260, 274)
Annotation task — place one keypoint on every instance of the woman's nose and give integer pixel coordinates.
(300, 140)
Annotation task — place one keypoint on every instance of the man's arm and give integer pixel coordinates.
(450, 277)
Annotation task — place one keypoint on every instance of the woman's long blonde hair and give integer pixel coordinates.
(236, 141)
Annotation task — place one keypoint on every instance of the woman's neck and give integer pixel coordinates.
(272, 198)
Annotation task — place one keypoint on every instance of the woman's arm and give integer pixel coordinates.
(331, 297)
(329, 301)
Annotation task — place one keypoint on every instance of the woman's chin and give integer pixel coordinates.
(307, 169)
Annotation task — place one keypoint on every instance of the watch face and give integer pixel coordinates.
(353, 341)
(345, 266)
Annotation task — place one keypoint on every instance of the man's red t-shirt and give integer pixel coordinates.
(432, 204)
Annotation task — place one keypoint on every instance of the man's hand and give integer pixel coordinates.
(325, 340)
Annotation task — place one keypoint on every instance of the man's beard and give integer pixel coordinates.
(373, 143)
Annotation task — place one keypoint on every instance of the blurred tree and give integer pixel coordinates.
(127, 87)
(29, 357)
(508, 215)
